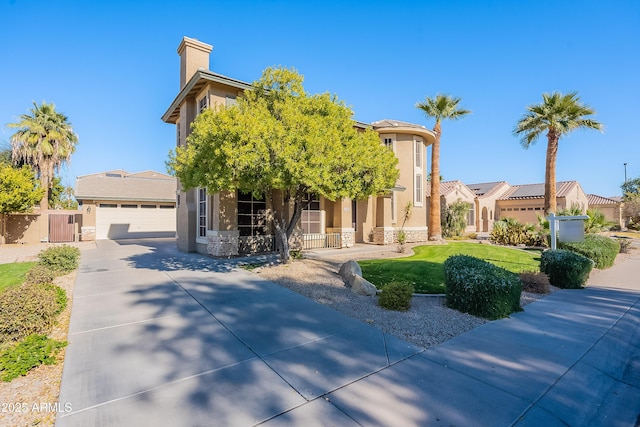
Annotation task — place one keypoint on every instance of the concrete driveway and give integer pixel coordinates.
(158, 337)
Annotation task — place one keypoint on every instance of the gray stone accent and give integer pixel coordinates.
(348, 270)
(361, 286)
(222, 243)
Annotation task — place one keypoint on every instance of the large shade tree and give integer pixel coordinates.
(44, 140)
(557, 116)
(278, 137)
(440, 107)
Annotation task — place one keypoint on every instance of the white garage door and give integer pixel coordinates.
(134, 221)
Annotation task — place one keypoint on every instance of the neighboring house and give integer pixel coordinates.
(526, 202)
(492, 201)
(229, 223)
(611, 207)
(453, 191)
(122, 205)
(487, 194)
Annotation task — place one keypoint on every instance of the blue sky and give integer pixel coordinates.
(112, 68)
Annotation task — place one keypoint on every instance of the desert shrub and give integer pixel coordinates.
(454, 218)
(480, 288)
(602, 250)
(40, 273)
(296, 254)
(29, 309)
(472, 236)
(30, 353)
(597, 222)
(511, 232)
(566, 269)
(63, 259)
(396, 296)
(535, 281)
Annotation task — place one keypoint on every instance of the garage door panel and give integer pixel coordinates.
(129, 223)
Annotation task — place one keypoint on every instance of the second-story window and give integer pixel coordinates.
(418, 149)
(203, 104)
(388, 142)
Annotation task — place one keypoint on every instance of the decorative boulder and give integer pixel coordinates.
(349, 269)
(361, 286)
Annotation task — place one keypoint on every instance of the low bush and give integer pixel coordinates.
(477, 287)
(39, 273)
(29, 309)
(63, 259)
(535, 281)
(396, 296)
(602, 250)
(566, 269)
(511, 232)
(30, 353)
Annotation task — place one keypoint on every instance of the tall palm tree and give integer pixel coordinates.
(440, 107)
(557, 115)
(45, 141)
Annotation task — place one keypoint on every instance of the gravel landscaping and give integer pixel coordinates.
(429, 322)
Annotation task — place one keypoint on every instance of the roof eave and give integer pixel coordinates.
(172, 113)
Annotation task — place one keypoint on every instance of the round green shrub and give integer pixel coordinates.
(602, 250)
(566, 269)
(60, 258)
(29, 309)
(396, 296)
(480, 288)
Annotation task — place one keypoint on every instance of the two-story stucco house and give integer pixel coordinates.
(231, 223)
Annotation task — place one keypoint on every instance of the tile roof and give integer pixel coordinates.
(536, 191)
(387, 123)
(446, 187)
(122, 185)
(594, 199)
(485, 187)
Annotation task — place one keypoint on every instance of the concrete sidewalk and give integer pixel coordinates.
(163, 338)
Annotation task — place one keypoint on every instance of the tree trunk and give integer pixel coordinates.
(435, 230)
(550, 173)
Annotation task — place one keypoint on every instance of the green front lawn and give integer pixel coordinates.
(425, 271)
(13, 274)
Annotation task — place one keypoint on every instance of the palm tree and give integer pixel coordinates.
(44, 140)
(557, 115)
(440, 107)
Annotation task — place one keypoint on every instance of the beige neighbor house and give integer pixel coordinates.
(122, 205)
(492, 201)
(610, 207)
(526, 202)
(231, 223)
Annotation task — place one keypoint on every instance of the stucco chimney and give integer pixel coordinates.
(193, 55)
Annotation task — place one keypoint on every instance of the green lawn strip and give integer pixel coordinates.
(13, 274)
(424, 269)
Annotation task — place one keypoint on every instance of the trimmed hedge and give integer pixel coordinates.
(29, 309)
(566, 269)
(62, 259)
(396, 296)
(480, 288)
(602, 250)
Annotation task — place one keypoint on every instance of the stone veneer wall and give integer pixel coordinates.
(389, 235)
(222, 243)
(347, 236)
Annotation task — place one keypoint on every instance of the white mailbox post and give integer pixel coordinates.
(569, 228)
